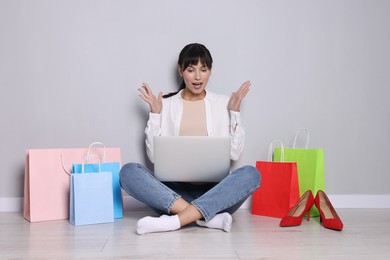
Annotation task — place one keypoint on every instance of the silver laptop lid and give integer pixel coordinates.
(191, 158)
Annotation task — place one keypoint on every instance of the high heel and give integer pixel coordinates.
(328, 214)
(295, 215)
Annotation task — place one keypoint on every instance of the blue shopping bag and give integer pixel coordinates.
(91, 200)
(114, 168)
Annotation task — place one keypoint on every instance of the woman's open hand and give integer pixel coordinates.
(237, 97)
(154, 102)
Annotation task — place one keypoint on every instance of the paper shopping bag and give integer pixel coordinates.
(46, 185)
(91, 200)
(114, 168)
(279, 189)
(310, 163)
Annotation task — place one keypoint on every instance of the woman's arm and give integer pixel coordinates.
(238, 135)
(236, 130)
(153, 126)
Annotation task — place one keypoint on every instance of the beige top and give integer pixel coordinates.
(193, 120)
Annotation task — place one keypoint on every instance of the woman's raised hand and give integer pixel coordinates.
(154, 102)
(238, 96)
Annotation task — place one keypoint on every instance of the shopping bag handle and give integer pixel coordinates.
(86, 159)
(270, 150)
(63, 166)
(307, 137)
(90, 150)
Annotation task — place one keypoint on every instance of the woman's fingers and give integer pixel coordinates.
(243, 90)
(237, 97)
(146, 93)
(147, 88)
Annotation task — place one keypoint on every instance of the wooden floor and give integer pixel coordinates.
(366, 235)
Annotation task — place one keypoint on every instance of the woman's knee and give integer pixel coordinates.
(251, 175)
(130, 171)
(126, 169)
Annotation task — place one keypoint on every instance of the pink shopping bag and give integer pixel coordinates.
(46, 184)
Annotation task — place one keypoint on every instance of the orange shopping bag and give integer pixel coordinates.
(279, 189)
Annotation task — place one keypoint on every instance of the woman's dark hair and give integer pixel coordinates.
(191, 55)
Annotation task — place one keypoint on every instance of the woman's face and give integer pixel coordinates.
(195, 77)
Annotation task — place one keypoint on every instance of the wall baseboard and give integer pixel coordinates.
(11, 204)
(339, 201)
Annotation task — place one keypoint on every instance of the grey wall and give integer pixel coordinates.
(69, 73)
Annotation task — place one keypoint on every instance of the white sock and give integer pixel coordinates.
(220, 221)
(163, 223)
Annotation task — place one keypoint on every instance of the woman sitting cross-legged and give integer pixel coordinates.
(192, 111)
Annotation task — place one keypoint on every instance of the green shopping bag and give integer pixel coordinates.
(310, 163)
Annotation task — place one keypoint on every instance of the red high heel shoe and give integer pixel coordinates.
(328, 214)
(295, 215)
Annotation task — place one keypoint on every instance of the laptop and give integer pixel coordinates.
(191, 158)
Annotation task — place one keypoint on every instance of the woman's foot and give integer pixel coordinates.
(220, 221)
(157, 224)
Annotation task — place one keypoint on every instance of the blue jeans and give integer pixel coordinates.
(210, 199)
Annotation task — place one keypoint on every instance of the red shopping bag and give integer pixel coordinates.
(279, 190)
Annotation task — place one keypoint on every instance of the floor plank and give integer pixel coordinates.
(366, 235)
